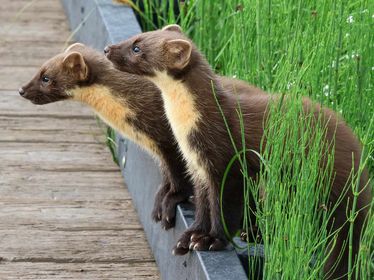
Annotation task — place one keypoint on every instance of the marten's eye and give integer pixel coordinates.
(46, 80)
(136, 49)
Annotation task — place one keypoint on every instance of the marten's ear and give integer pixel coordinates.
(179, 53)
(172, 27)
(74, 46)
(74, 62)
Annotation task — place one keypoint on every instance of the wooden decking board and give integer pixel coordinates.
(47, 186)
(85, 271)
(64, 212)
(74, 247)
(29, 53)
(35, 6)
(68, 215)
(48, 130)
(55, 156)
(11, 102)
(13, 77)
(20, 31)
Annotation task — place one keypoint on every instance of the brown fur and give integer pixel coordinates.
(172, 62)
(128, 103)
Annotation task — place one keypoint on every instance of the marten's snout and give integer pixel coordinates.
(107, 51)
(21, 91)
(112, 52)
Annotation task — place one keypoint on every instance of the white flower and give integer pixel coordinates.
(372, 68)
(347, 35)
(326, 90)
(289, 85)
(350, 19)
(354, 55)
(234, 76)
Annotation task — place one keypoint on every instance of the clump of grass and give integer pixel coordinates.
(292, 210)
(320, 49)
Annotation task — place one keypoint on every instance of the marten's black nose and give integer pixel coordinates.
(107, 50)
(21, 91)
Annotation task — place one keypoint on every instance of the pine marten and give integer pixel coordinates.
(128, 103)
(172, 62)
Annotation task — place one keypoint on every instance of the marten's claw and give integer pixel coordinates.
(169, 206)
(205, 242)
(198, 241)
(217, 245)
(156, 214)
(157, 208)
(179, 251)
(184, 243)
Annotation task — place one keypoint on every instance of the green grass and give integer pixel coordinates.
(321, 49)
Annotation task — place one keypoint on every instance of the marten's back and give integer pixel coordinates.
(347, 147)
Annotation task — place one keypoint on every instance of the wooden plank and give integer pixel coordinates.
(18, 14)
(33, 53)
(83, 271)
(13, 77)
(48, 186)
(50, 129)
(47, 31)
(12, 104)
(55, 157)
(33, 20)
(65, 215)
(74, 246)
(26, 11)
(34, 6)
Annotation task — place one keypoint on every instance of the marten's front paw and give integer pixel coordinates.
(157, 208)
(157, 212)
(205, 242)
(166, 201)
(198, 241)
(183, 243)
(169, 206)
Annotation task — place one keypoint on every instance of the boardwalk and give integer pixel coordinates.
(64, 211)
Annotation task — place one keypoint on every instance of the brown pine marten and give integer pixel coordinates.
(172, 62)
(128, 103)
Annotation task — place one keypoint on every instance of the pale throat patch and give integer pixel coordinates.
(183, 117)
(114, 112)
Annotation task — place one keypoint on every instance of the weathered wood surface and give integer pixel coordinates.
(107, 246)
(55, 157)
(64, 212)
(26, 54)
(41, 186)
(12, 77)
(86, 271)
(11, 102)
(52, 129)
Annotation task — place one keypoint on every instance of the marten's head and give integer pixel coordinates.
(167, 49)
(56, 76)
